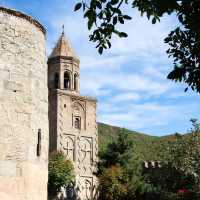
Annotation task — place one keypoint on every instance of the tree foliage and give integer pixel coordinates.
(119, 151)
(184, 155)
(179, 176)
(167, 181)
(61, 172)
(121, 176)
(120, 170)
(104, 16)
(184, 44)
(111, 184)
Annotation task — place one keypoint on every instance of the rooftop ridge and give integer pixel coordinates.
(24, 16)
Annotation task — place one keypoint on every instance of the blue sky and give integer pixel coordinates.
(129, 81)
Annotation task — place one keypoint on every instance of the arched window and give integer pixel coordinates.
(77, 123)
(66, 80)
(78, 116)
(75, 82)
(56, 80)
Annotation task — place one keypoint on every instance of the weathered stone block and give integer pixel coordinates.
(11, 85)
(8, 168)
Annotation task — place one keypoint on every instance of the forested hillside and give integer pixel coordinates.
(148, 147)
(122, 177)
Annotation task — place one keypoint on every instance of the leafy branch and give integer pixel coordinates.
(103, 17)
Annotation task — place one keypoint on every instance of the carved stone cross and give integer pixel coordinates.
(69, 148)
(86, 151)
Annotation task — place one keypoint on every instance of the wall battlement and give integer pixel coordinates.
(152, 164)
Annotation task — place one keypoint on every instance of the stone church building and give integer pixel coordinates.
(72, 117)
(41, 110)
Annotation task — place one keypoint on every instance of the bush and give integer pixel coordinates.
(61, 172)
(111, 184)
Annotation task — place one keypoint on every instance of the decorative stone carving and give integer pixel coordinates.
(69, 146)
(78, 111)
(85, 150)
(73, 122)
(86, 188)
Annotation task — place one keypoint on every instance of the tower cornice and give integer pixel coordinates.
(58, 59)
(77, 97)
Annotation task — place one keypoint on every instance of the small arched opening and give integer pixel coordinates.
(56, 80)
(66, 80)
(77, 123)
(78, 116)
(75, 82)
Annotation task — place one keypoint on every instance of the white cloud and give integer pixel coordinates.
(129, 96)
(148, 116)
(93, 82)
(106, 107)
(130, 77)
(133, 71)
(144, 38)
(112, 63)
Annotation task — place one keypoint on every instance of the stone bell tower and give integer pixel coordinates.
(72, 118)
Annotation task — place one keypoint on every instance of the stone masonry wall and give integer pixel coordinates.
(80, 146)
(73, 127)
(23, 108)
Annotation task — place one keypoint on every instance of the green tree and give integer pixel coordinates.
(178, 176)
(119, 151)
(111, 184)
(120, 170)
(61, 172)
(184, 155)
(103, 17)
(166, 181)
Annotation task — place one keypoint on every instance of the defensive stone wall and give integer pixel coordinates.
(151, 164)
(23, 108)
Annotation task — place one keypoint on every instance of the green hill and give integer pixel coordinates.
(148, 147)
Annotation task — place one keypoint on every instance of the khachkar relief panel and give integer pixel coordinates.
(79, 149)
(68, 146)
(85, 188)
(83, 150)
(85, 147)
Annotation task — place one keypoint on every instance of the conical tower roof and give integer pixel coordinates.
(63, 48)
